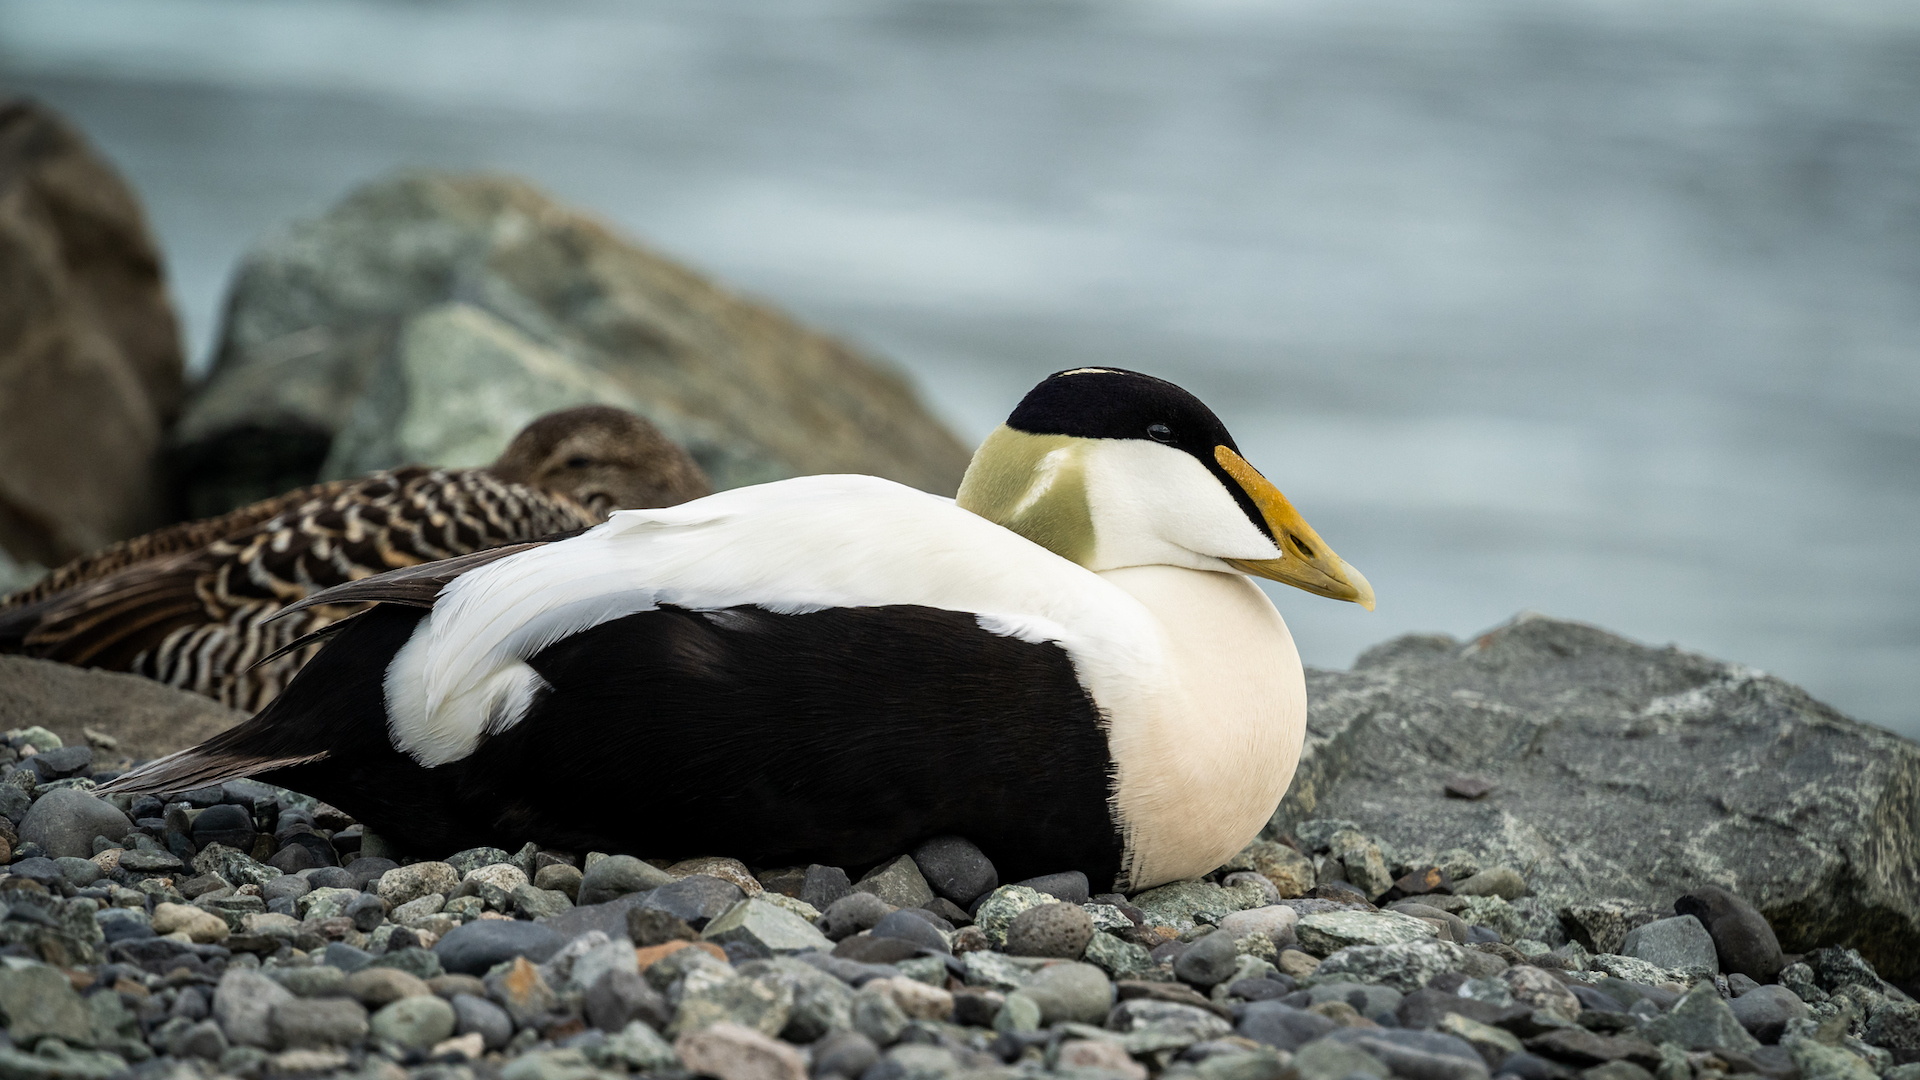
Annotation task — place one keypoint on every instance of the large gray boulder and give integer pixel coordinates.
(1629, 771)
(429, 316)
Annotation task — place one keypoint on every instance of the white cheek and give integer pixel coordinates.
(1155, 504)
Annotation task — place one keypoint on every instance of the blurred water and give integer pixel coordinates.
(1609, 309)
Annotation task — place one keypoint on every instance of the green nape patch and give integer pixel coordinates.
(1035, 485)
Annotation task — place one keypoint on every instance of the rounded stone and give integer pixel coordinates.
(559, 877)
(1075, 992)
(376, 986)
(616, 876)
(414, 1022)
(907, 924)
(956, 868)
(224, 824)
(1275, 922)
(1060, 930)
(1068, 887)
(1764, 1011)
(1282, 1026)
(319, 1022)
(474, 1014)
(1211, 960)
(852, 914)
(78, 873)
(65, 820)
(404, 883)
(475, 947)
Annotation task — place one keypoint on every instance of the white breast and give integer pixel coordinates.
(1202, 766)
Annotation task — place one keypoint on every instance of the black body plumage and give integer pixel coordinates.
(671, 732)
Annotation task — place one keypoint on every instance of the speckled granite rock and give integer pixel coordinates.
(1592, 739)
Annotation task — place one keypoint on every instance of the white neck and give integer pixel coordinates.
(1203, 768)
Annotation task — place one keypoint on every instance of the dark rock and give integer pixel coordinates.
(1533, 1067)
(1259, 989)
(697, 898)
(1601, 925)
(332, 877)
(898, 883)
(473, 1013)
(618, 875)
(908, 924)
(367, 913)
(1595, 999)
(64, 821)
(1281, 1026)
(418, 268)
(1424, 1008)
(953, 914)
(61, 763)
(1578, 1046)
(229, 825)
(956, 869)
(1741, 935)
(610, 918)
(651, 926)
(1417, 1055)
(1211, 960)
(844, 1053)
(367, 870)
(1764, 1011)
(1421, 881)
(1701, 1020)
(348, 958)
(1638, 727)
(619, 997)
(853, 914)
(823, 885)
(473, 948)
(292, 859)
(91, 372)
(1069, 887)
(787, 881)
(867, 949)
(1058, 930)
(43, 870)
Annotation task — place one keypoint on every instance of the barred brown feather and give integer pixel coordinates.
(194, 606)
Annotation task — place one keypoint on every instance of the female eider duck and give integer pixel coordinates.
(193, 605)
(1068, 665)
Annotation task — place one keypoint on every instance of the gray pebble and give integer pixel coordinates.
(956, 869)
(1211, 960)
(852, 914)
(619, 997)
(1059, 930)
(1069, 887)
(616, 876)
(844, 1053)
(823, 885)
(910, 924)
(474, 1013)
(1765, 1010)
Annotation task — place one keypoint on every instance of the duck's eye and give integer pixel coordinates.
(579, 461)
(1160, 433)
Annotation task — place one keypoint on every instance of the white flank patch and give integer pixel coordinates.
(789, 547)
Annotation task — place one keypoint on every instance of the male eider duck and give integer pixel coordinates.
(190, 605)
(1067, 665)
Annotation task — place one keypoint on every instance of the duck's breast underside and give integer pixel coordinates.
(840, 736)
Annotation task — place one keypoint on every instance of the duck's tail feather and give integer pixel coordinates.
(198, 767)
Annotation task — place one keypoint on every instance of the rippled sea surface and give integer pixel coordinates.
(1608, 310)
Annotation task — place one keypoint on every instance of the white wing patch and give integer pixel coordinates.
(789, 547)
